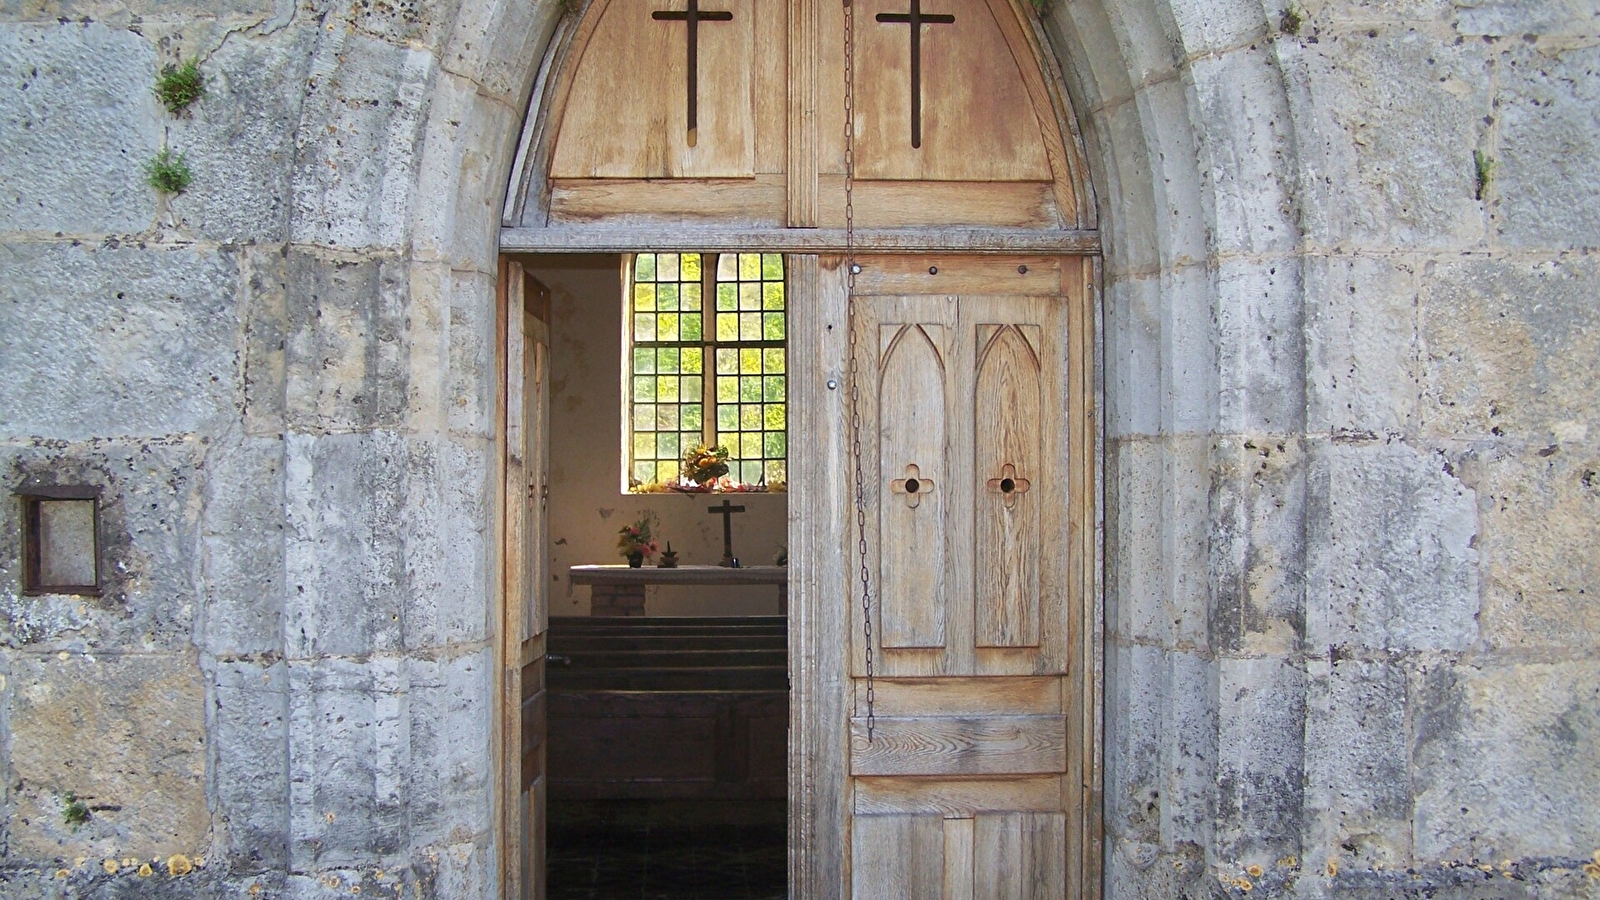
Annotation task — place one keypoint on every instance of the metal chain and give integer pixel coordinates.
(852, 270)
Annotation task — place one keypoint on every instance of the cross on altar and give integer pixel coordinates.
(916, 19)
(692, 17)
(727, 509)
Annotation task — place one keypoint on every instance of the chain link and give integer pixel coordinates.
(851, 270)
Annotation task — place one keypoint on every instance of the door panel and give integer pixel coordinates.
(960, 791)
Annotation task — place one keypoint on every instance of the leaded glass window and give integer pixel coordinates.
(691, 311)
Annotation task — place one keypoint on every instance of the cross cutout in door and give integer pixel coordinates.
(692, 17)
(916, 19)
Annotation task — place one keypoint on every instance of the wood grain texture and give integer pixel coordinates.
(1006, 445)
(958, 859)
(630, 119)
(805, 39)
(608, 237)
(911, 441)
(955, 696)
(940, 273)
(907, 204)
(957, 796)
(897, 857)
(978, 123)
(753, 201)
(963, 745)
(1021, 856)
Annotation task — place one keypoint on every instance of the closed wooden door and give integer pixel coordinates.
(969, 389)
(527, 578)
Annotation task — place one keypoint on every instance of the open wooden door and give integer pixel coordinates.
(975, 458)
(527, 354)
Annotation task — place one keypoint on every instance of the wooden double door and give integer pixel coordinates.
(972, 394)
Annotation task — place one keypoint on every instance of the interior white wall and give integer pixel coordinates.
(587, 505)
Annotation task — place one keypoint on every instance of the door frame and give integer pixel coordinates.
(821, 613)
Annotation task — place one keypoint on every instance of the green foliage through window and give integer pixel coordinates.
(708, 336)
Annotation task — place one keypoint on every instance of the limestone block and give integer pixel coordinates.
(1363, 350)
(471, 375)
(1505, 761)
(423, 23)
(1132, 326)
(116, 340)
(1094, 66)
(1358, 783)
(467, 150)
(1540, 508)
(1158, 541)
(1166, 111)
(1260, 316)
(1215, 26)
(1190, 748)
(121, 11)
(1247, 150)
(1340, 15)
(124, 734)
(264, 276)
(362, 123)
(1392, 120)
(1190, 379)
(345, 357)
(1258, 544)
(1395, 550)
(1133, 774)
(239, 139)
(447, 782)
(1546, 181)
(74, 138)
(149, 535)
(1132, 231)
(343, 715)
(250, 729)
(1260, 752)
(243, 556)
(385, 548)
(1146, 39)
(1510, 347)
(1515, 18)
(466, 869)
(498, 44)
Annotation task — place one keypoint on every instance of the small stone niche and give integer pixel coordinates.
(60, 540)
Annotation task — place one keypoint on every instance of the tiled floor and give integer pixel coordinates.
(667, 850)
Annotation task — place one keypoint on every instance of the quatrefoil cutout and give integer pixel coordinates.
(913, 487)
(1009, 486)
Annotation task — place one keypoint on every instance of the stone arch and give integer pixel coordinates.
(1191, 128)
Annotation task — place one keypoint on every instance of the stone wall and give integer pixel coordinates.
(1350, 449)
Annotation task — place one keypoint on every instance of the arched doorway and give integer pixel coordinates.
(962, 348)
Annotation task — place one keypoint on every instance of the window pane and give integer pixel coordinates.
(691, 296)
(749, 326)
(727, 419)
(727, 361)
(750, 296)
(750, 445)
(728, 297)
(666, 267)
(667, 446)
(772, 359)
(667, 390)
(774, 445)
(689, 327)
(644, 361)
(727, 327)
(750, 389)
(644, 267)
(777, 472)
(644, 297)
(666, 418)
(772, 266)
(667, 327)
(727, 389)
(773, 388)
(749, 267)
(644, 417)
(772, 295)
(644, 327)
(693, 363)
(644, 388)
(667, 360)
(644, 446)
(644, 470)
(728, 267)
(750, 361)
(692, 417)
(776, 417)
(667, 470)
(689, 387)
(750, 417)
(667, 297)
(690, 268)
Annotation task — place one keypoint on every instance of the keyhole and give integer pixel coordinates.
(912, 485)
(1007, 485)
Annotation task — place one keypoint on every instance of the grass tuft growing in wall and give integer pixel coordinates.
(168, 172)
(179, 86)
(1483, 167)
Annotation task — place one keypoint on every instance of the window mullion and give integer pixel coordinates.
(708, 337)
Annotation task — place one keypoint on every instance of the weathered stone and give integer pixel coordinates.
(1397, 567)
(1260, 751)
(467, 150)
(1396, 116)
(243, 567)
(74, 138)
(152, 332)
(1546, 176)
(125, 735)
(250, 713)
(1540, 508)
(1509, 348)
(1261, 353)
(446, 787)
(345, 354)
(1505, 758)
(353, 187)
(493, 41)
(1258, 545)
(1358, 782)
(1364, 356)
(149, 512)
(1515, 18)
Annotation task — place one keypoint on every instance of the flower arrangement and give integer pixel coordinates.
(705, 464)
(636, 541)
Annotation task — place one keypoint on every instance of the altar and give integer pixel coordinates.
(620, 590)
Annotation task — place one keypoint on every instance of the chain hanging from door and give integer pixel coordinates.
(852, 269)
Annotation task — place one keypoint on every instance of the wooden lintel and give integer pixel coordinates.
(669, 238)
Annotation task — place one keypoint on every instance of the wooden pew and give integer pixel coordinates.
(668, 707)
